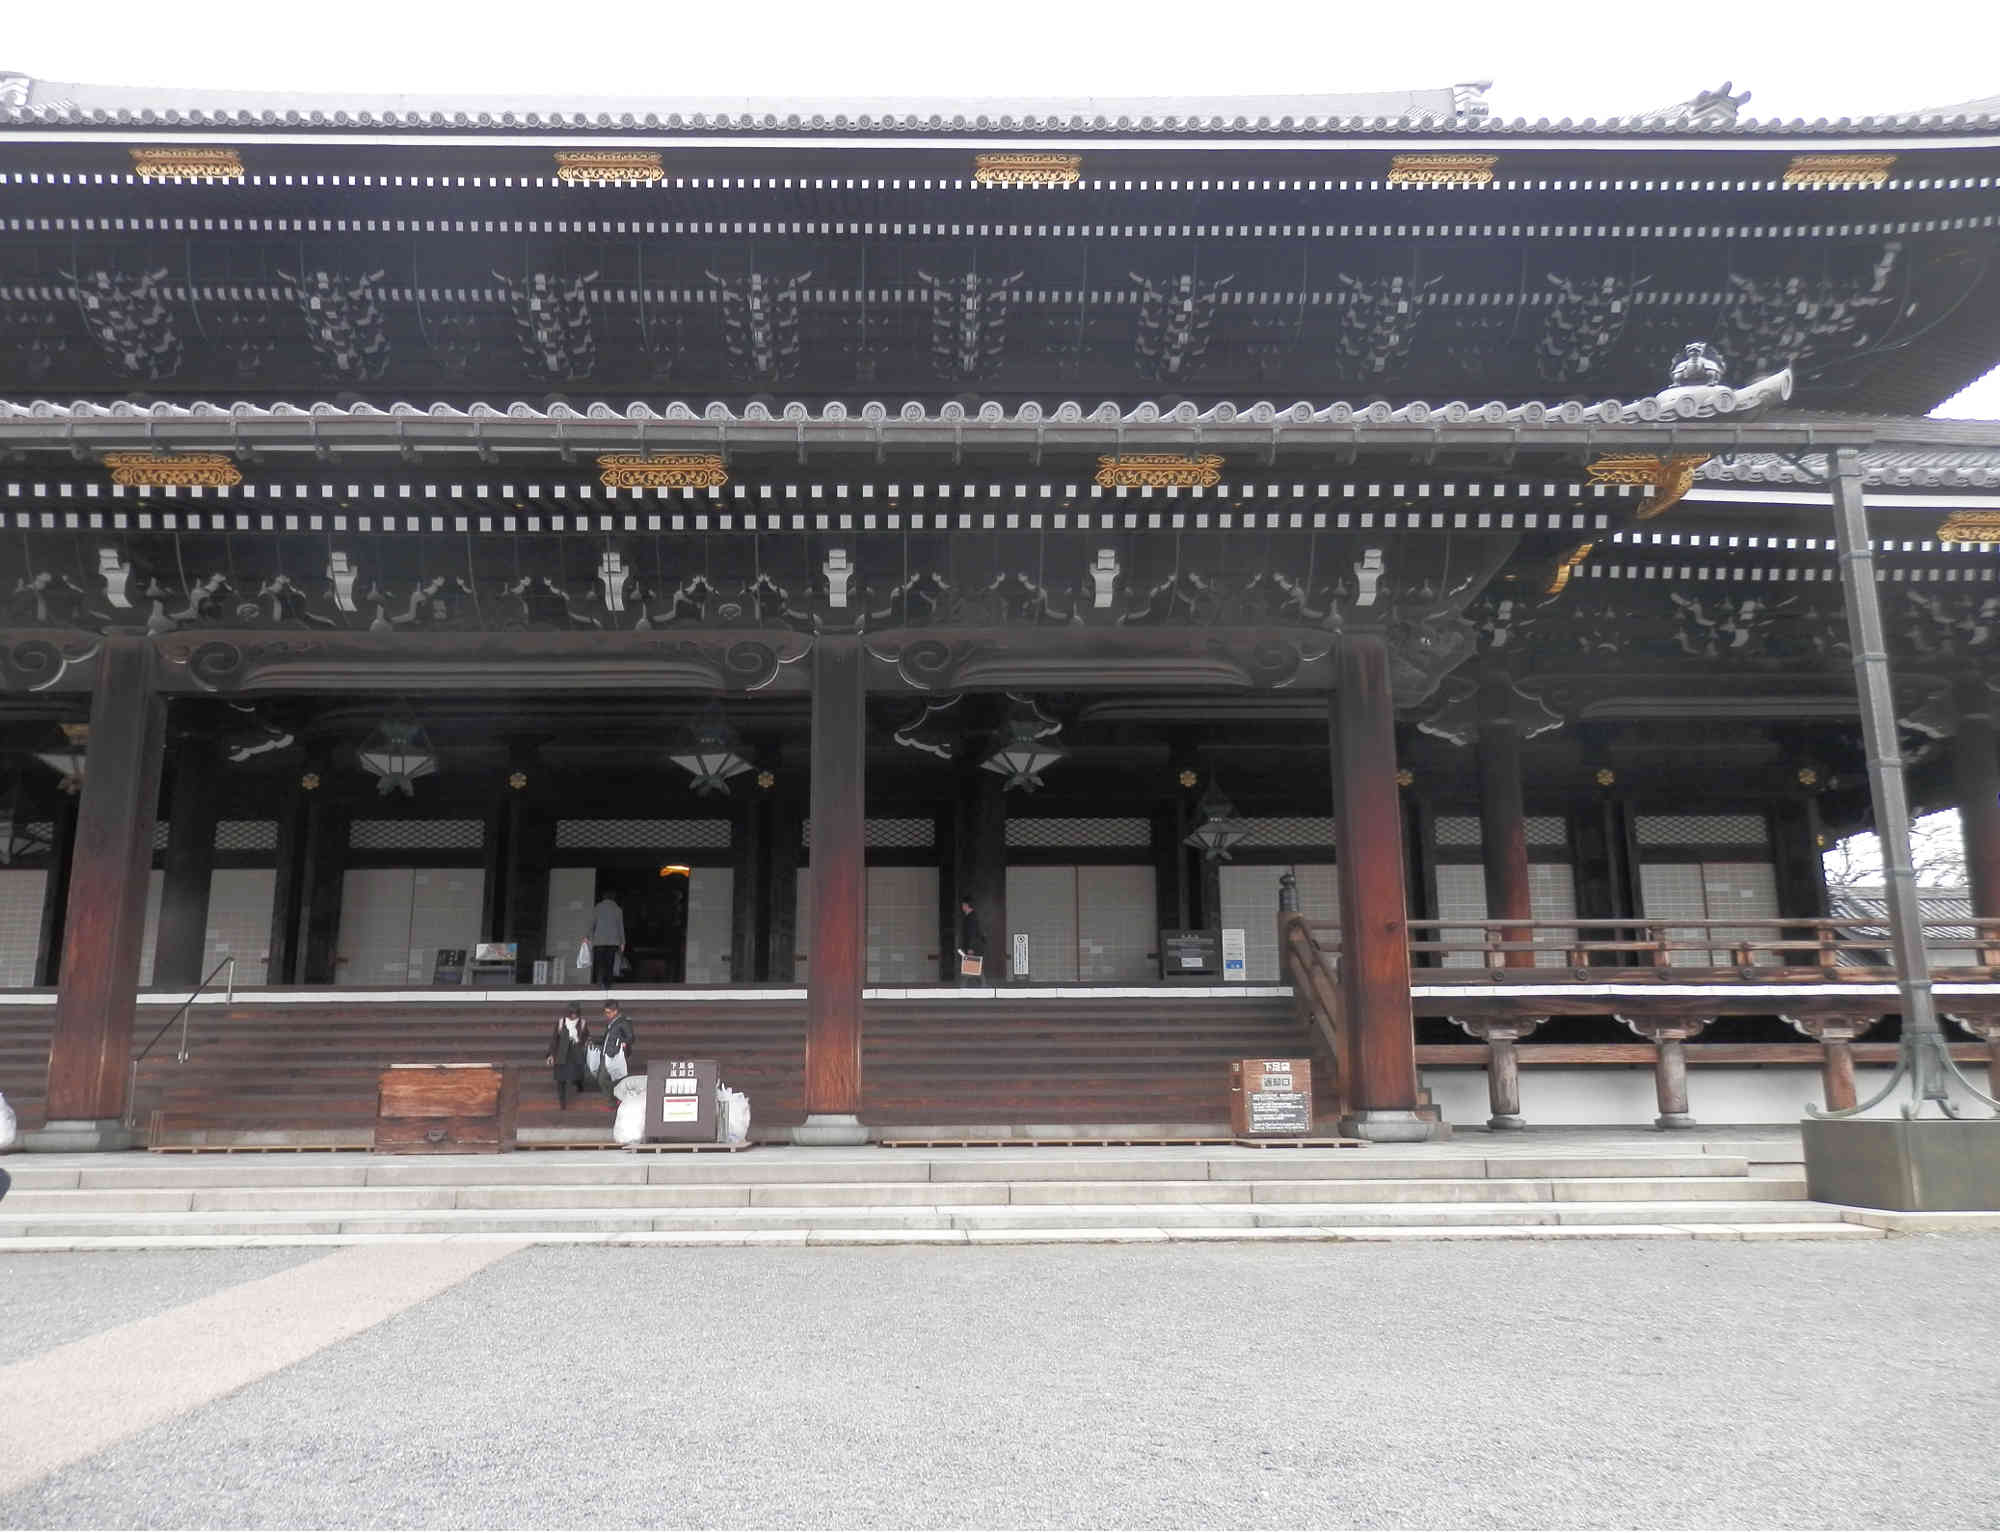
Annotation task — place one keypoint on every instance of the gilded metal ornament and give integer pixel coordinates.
(1970, 527)
(1158, 471)
(1022, 169)
(181, 163)
(1442, 169)
(1565, 569)
(205, 470)
(598, 166)
(662, 471)
(1838, 169)
(1669, 478)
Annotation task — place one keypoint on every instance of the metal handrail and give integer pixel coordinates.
(181, 1016)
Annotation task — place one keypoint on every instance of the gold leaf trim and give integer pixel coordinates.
(1668, 478)
(1838, 169)
(1027, 169)
(204, 470)
(662, 471)
(1567, 568)
(1442, 169)
(1970, 527)
(1158, 471)
(600, 165)
(181, 164)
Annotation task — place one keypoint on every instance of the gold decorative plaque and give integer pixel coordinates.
(1668, 478)
(206, 470)
(186, 164)
(1567, 568)
(662, 471)
(1158, 471)
(1442, 169)
(600, 165)
(1838, 169)
(1027, 169)
(1970, 527)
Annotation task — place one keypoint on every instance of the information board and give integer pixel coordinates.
(1185, 954)
(1020, 955)
(448, 967)
(1235, 955)
(680, 1100)
(1270, 1098)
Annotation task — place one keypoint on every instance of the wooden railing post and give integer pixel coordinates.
(1503, 1064)
(1669, 1036)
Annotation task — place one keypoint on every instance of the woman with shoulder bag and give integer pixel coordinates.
(569, 1053)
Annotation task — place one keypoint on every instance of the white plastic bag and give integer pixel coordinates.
(629, 1126)
(614, 1065)
(732, 1121)
(592, 1057)
(583, 956)
(8, 1125)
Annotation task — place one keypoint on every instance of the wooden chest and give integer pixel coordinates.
(446, 1109)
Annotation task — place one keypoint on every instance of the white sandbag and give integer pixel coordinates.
(629, 1127)
(8, 1125)
(733, 1120)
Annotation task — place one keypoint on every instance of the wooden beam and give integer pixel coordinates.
(89, 1054)
(1381, 1071)
(1975, 765)
(1503, 825)
(194, 803)
(839, 872)
(979, 864)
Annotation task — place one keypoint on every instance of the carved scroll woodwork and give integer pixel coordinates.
(1668, 478)
(1027, 169)
(1442, 169)
(662, 471)
(158, 470)
(187, 163)
(1159, 471)
(602, 166)
(1838, 169)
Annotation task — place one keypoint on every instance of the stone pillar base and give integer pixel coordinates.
(1387, 1126)
(1506, 1122)
(59, 1135)
(1928, 1165)
(830, 1129)
(1673, 1120)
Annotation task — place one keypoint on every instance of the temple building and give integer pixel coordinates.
(1337, 576)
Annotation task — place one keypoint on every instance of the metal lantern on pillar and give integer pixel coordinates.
(67, 760)
(1025, 748)
(398, 753)
(711, 753)
(1218, 829)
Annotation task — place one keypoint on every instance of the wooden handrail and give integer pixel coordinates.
(1315, 986)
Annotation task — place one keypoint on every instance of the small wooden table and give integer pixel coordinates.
(465, 1109)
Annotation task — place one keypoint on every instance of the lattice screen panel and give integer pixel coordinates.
(902, 926)
(1250, 902)
(572, 894)
(239, 920)
(1709, 891)
(21, 894)
(711, 922)
(1301, 830)
(1461, 896)
(1041, 902)
(643, 835)
(416, 835)
(1703, 830)
(1116, 936)
(160, 832)
(1465, 830)
(910, 834)
(246, 836)
(1078, 832)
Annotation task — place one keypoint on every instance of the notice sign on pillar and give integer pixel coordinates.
(1235, 955)
(1270, 1098)
(1020, 955)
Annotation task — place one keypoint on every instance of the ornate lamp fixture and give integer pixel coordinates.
(1219, 829)
(398, 753)
(711, 753)
(1025, 750)
(66, 761)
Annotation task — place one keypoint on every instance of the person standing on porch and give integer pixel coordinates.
(607, 939)
(971, 946)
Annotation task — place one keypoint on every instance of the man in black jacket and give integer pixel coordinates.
(971, 946)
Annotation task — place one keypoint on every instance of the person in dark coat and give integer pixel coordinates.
(971, 943)
(617, 1039)
(569, 1053)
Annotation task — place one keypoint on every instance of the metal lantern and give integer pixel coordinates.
(66, 761)
(1219, 828)
(398, 753)
(711, 754)
(1025, 750)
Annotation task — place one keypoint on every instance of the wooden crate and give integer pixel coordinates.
(446, 1109)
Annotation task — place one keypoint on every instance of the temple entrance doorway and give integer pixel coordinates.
(679, 926)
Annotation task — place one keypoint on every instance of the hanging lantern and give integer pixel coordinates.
(1025, 749)
(398, 753)
(711, 753)
(1219, 828)
(67, 760)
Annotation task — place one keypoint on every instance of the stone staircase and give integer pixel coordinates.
(876, 1196)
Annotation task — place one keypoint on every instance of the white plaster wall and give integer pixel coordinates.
(1717, 1094)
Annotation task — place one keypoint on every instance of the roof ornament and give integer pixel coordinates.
(1706, 109)
(1696, 388)
(14, 89)
(1468, 100)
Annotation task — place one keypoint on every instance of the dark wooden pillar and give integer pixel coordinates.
(193, 807)
(527, 910)
(1975, 767)
(90, 1052)
(1503, 830)
(1502, 1037)
(1375, 944)
(325, 863)
(1669, 1036)
(979, 866)
(1170, 897)
(55, 893)
(496, 892)
(839, 872)
(749, 861)
(778, 962)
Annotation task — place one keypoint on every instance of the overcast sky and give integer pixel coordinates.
(1830, 58)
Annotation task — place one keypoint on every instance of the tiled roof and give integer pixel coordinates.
(1451, 111)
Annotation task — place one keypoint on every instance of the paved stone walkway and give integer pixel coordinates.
(1588, 1384)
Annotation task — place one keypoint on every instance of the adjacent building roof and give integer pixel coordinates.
(1446, 110)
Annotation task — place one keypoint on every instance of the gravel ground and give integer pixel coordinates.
(1586, 1384)
(49, 1298)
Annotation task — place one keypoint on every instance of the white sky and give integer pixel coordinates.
(1831, 58)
